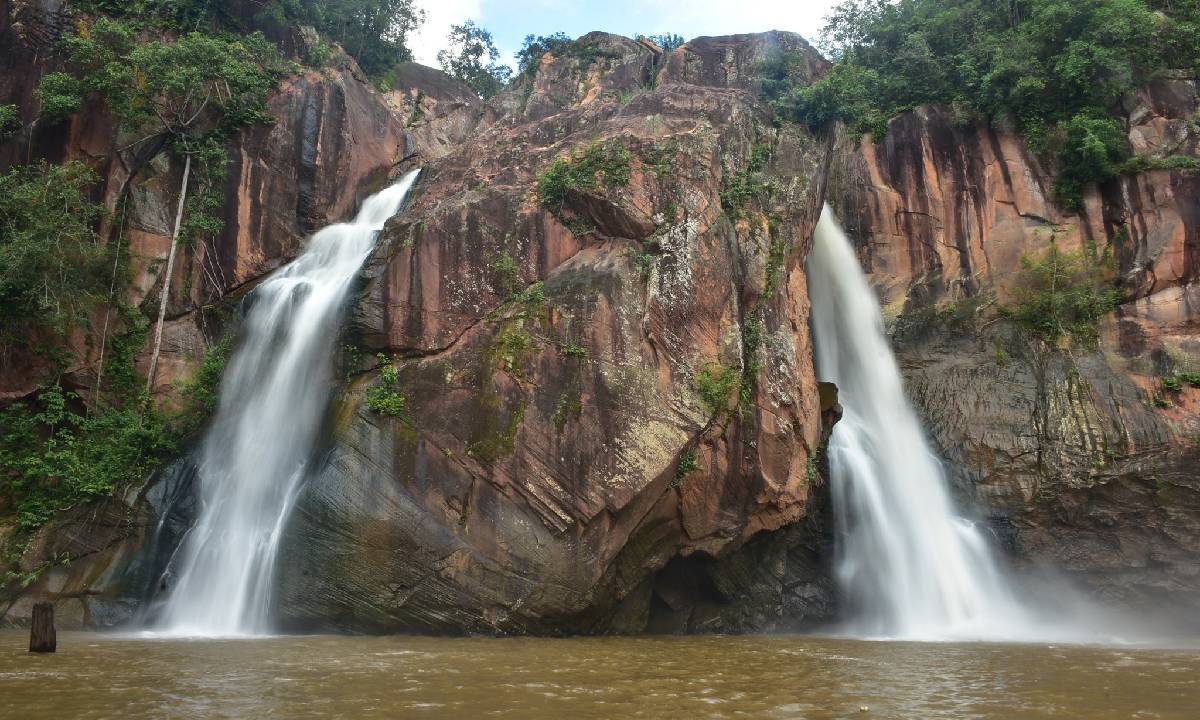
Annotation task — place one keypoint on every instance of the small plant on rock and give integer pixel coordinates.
(386, 398)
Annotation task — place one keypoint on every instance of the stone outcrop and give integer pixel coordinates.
(556, 469)
(1081, 455)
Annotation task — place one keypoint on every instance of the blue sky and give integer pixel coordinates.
(511, 20)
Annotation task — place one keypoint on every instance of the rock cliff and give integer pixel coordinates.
(557, 452)
(1082, 455)
(596, 306)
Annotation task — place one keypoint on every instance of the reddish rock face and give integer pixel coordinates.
(552, 362)
(335, 140)
(1089, 470)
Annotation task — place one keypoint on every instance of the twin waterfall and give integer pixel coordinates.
(272, 404)
(907, 565)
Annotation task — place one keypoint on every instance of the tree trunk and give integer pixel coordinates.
(166, 291)
(42, 638)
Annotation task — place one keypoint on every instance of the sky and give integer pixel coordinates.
(511, 20)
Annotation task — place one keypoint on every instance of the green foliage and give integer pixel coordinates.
(848, 93)
(61, 95)
(514, 347)
(688, 464)
(167, 86)
(661, 158)
(643, 259)
(1160, 402)
(1092, 147)
(532, 298)
(374, 32)
(715, 384)
(1055, 67)
(509, 273)
(667, 41)
(569, 405)
(54, 268)
(776, 264)
(471, 57)
(52, 457)
(10, 121)
(386, 398)
(740, 187)
(1063, 294)
(604, 164)
(1172, 384)
(201, 391)
(1145, 163)
(202, 209)
(572, 348)
(534, 47)
(753, 329)
(1191, 378)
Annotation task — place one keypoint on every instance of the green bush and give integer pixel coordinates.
(604, 164)
(471, 57)
(54, 268)
(1063, 294)
(10, 121)
(1092, 148)
(52, 457)
(740, 187)
(536, 46)
(688, 464)
(1055, 67)
(715, 384)
(1144, 163)
(387, 398)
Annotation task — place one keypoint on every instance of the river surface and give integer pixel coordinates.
(105, 676)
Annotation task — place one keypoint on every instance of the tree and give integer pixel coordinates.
(52, 262)
(471, 57)
(667, 41)
(373, 32)
(535, 46)
(183, 94)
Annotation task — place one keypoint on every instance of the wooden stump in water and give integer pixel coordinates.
(42, 637)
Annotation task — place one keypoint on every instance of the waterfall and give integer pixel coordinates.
(908, 566)
(272, 404)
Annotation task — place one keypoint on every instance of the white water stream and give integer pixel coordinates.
(272, 404)
(908, 565)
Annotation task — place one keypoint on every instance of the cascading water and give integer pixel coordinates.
(272, 404)
(907, 565)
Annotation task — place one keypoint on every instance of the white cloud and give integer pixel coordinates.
(440, 15)
(718, 17)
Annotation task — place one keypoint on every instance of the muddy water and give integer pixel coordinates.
(99, 676)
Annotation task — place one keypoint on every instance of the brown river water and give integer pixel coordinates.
(106, 676)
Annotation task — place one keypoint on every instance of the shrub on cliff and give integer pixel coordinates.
(1063, 295)
(53, 266)
(601, 164)
(1055, 67)
(373, 32)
